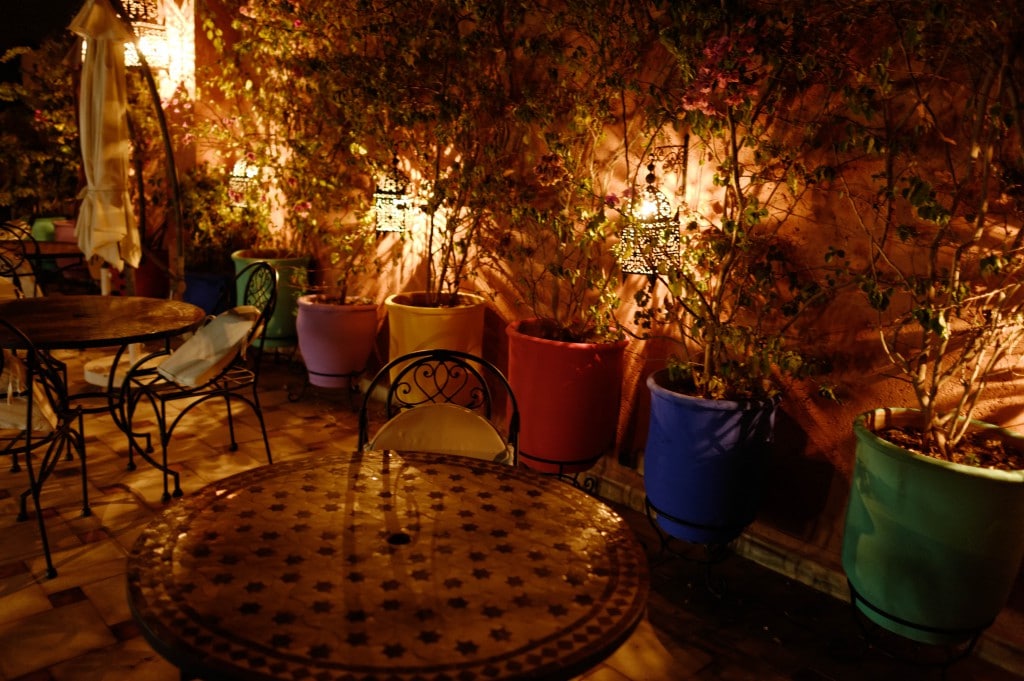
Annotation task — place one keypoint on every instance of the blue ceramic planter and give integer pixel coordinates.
(704, 462)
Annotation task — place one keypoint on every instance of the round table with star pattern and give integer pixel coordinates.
(379, 565)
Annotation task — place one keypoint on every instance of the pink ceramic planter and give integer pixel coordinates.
(335, 340)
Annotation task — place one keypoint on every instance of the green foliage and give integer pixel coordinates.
(218, 221)
(40, 158)
(749, 92)
(938, 119)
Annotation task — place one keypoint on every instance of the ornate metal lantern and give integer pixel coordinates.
(650, 235)
(390, 203)
(148, 24)
(242, 180)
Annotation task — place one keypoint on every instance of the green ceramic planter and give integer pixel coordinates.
(931, 549)
(291, 283)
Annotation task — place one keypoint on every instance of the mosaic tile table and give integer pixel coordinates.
(387, 566)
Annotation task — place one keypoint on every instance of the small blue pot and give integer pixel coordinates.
(704, 462)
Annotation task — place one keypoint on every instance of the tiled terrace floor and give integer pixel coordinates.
(755, 625)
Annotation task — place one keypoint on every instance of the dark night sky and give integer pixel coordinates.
(27, 22)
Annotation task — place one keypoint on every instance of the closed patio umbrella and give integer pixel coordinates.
(106, 221)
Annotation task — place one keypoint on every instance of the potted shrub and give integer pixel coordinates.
(565, 355)
(934, 530)
(218, 224)
(337, 330)
(734, 298)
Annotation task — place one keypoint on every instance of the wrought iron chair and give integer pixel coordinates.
(15, 265)
(36, 416)
(443, 401)
(221, 361)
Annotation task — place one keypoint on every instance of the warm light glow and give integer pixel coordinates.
(390, 203)
(649, 239)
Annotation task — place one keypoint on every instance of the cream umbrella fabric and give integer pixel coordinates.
(106, 221)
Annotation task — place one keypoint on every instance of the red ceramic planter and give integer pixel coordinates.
(568, 395)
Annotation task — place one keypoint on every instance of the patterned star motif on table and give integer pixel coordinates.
(282, 494)
(490, 508)
(420, 575)
(255, 587)
(459, 603)
(491, 611)
(584, 600)
(391, 605)
(435, 495)
(291, 577)
(429, 637)
(303, 514)
(211, 535)
(542, 572)
(356, 615)
(394, 650)
(523, 600)
(324, 586)
(514, 580)
(200, 551)
(249, 608)
(243, 528)
(477, 556)
(284, 617)
(452, 583)
(333, 494)
(265, 551)
(322, 606)
(319, 652)
(331, 508)
(300, 527)
(466, 513)
(326, 550)
(280, 641)
(424, 614)
(501, 634)
(230, 559)
(247, 513)
(481, 573)
(277, 508)
(356, 577)
(499, 533)
(308, 488)
(470, 527)
(390, 585)
(558, 610)
(466, 647)
(535, 555)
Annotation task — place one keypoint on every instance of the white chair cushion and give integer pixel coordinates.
(211, 348)
(442, 429)
(14, 408)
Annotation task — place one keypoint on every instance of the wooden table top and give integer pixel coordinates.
(387, 566)
(76, 322)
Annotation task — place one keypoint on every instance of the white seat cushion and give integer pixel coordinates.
(14, 407)
(442, 429)
(211, 348)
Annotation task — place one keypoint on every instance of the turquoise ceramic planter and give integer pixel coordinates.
(931, 548)
(704, 462)
(292, 274)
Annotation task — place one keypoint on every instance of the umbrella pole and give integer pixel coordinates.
(177, 272)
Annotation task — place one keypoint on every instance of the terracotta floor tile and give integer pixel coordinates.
(758, 625)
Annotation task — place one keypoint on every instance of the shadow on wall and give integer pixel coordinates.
(797, 488)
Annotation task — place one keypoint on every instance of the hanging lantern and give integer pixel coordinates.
(148, 24)
(242, 180)
(390, 203)
(650, 236)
